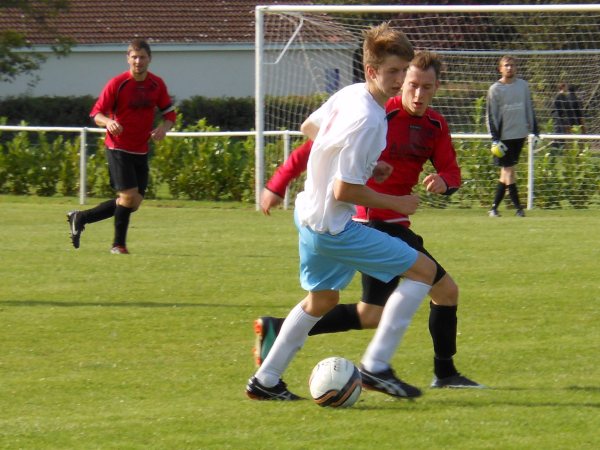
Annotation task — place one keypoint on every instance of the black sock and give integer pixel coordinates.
(99, 212)
(444, 368)
(443, 327)
(514, 195)
(500, 190)
(343, 317)
(122, 215)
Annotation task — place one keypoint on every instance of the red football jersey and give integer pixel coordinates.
(411, 142)
(133, 104)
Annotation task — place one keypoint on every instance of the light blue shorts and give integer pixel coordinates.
(328, 262)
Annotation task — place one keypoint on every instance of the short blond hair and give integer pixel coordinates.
(382, 41)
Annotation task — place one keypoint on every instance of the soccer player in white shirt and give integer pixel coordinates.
(349, 133)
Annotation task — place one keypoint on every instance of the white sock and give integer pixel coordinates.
(290, 339)
(397, 315)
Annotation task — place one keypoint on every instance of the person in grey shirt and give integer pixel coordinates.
(510, 118)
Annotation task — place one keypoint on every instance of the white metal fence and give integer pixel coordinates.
(287, 136)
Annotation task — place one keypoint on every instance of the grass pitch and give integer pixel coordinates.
(153, 350)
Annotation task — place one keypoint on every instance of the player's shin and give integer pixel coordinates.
(397, 315)
(443, 328)
(290, 339)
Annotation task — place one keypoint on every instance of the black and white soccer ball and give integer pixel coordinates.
(335, 382)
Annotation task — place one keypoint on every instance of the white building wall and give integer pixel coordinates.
(210, 71)
(308, 72)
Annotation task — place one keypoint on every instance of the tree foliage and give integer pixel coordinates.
(14, 61)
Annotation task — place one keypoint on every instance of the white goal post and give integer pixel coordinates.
(304, 53)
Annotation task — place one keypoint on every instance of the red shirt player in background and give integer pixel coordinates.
(126, 107)
(416, 134)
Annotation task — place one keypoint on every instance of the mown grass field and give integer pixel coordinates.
(153, 350)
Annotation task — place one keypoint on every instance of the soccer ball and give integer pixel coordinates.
(498, 149)
(335, 382)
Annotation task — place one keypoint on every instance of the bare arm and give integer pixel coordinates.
(359, 194)
(161, 130)
(112, 126)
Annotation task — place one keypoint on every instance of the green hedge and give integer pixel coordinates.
(231, 114)
(222, 169)
(47, 111)
(226, 113)
(207, 168)
(216, 168)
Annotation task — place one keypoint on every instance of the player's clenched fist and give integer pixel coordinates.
(382, 171)
(435, 184)
(269, 200)
(114, 127)
(407, 204)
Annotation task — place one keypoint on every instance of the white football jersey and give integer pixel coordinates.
(352, 135)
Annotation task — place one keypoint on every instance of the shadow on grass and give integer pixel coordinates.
(427, 400)
(591, 389)
(402, 405)
(28, 303)
(595, 389)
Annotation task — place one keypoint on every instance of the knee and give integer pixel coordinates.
(131, 200)
(331, 301)
(423, 270)
(136, 205)
(319, 303)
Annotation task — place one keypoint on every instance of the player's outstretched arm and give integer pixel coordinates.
(274, 191)
(291, 169)
(359, 194)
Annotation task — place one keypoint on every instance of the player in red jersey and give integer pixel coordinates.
(126, 107)
(416, 134)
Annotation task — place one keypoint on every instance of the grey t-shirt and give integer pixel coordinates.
(510, 113)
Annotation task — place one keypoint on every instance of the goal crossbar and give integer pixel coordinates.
(354, 9)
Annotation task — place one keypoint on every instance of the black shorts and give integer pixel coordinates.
(376, 292)
(513, 152)
(127, 170)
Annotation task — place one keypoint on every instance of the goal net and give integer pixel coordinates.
(305, 53)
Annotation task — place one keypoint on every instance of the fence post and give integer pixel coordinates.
(82, 166)
(286, 153)
(530, 169)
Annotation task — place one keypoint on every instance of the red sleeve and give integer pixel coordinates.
(165, 105)
(291, 169)
(444, 161)
(106, 99)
